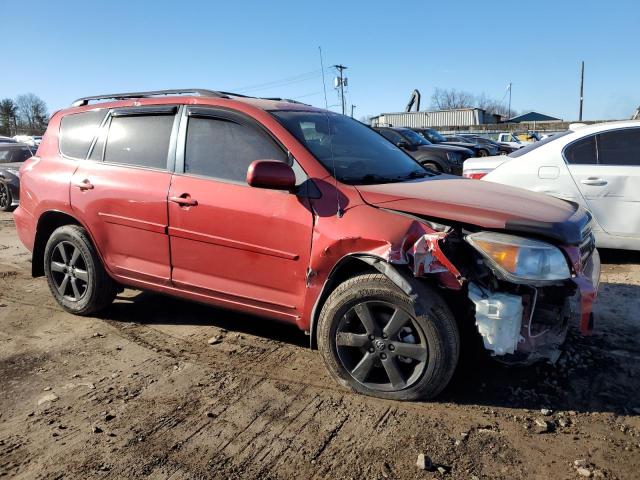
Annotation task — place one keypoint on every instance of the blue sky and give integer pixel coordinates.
(61, 50)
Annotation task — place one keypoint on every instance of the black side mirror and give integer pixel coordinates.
(402, 144)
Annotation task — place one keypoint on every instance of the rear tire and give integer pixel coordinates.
(373, 342)
(75, 274)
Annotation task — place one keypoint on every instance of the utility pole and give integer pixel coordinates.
(509, 114)
(340, 83)
(581, 91)
(352, 108)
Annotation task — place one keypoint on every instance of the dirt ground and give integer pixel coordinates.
(140, 392)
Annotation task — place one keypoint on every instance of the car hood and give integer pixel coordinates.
(483, 204)
(449, 148)
(470, 146)
(11, 165)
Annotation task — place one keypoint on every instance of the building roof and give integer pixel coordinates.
(533, 117)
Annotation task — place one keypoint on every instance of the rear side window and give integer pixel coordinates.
(224, 149)
(77, 132)
(140, 140)
(619, 147)
(582, 152)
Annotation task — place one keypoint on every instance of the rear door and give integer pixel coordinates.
(609, 178)
(120, 191)
(236, 244)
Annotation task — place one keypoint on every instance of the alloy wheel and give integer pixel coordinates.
(381, 346)
(4, 196)
(69, 271)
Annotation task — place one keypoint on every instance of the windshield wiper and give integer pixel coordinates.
(369, 178)
(416, 174)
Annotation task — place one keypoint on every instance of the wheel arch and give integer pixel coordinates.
(48, 222)
(357, 263)
(429, 159)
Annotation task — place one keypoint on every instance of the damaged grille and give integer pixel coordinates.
(588, 244)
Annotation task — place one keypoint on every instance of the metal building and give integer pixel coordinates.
(462, 117)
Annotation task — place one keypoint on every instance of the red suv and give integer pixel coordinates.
(280, 209)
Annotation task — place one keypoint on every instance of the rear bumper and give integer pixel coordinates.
(25, 226)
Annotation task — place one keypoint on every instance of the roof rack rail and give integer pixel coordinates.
(155, 93)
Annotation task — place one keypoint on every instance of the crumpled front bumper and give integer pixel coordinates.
(588, 281)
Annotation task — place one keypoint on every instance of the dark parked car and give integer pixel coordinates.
(503, 148)
(11, 157)
(309, 217)
(441, 158)
(437, 138)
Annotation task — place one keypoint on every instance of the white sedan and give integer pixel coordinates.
(597, 166)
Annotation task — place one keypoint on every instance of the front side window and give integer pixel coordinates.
(77, 132)
(139, 140)
(582, 152)
(224, 149)
(619, 147)
(356, 153)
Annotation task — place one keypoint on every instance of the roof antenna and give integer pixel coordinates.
(339, 211)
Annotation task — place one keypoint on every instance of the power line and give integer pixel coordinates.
(302, 77)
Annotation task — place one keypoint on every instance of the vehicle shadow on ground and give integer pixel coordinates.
(588, 377)
(154, 309)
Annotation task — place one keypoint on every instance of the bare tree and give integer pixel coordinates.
(443, 99)
(32, 114)
(8, 117)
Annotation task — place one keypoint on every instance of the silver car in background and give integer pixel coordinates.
(597, 166)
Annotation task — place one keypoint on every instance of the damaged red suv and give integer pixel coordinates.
(298, 214)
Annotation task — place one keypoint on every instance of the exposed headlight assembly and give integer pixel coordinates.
(521, 260)
(453, 157)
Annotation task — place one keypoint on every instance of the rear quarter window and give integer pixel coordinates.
(77, 132)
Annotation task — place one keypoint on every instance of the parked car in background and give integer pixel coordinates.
(302, 215)
(441, 158)
(503, 148)
(511, 139)
(596, 166)
(31, 140)
(12, 155)
(437, 138)
(7, 140)
(486, 149)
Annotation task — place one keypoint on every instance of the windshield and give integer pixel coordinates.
(414, 138)
(433, 136)
(358, 154)
(533, 146)
(14, 155)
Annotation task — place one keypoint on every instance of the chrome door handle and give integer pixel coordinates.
(84, 185)
(184, 200)
(597, 182)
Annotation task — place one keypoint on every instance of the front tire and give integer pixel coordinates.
(483, 153)
(373, 342)
(5, 198)
(432, 166)
(74, 272)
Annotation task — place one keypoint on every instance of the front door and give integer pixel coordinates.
(236, 244)
(120, 193)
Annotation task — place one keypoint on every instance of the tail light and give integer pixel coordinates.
(476, 175)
